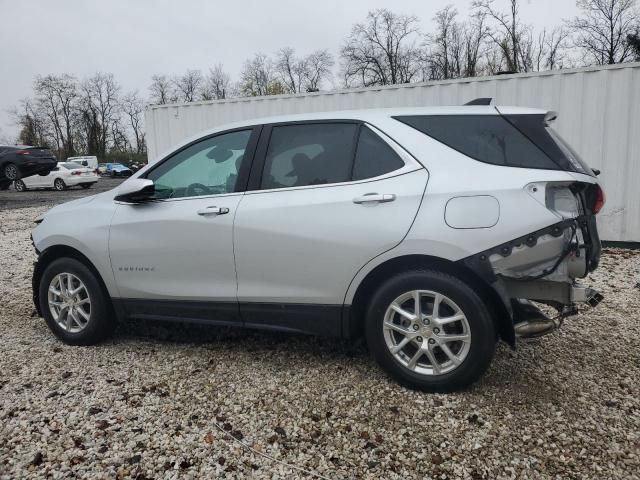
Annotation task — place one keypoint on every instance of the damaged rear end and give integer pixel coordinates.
(545, 266)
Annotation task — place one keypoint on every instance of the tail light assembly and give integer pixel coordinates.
(599, 200)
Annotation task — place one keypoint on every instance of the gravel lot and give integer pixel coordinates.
(168, 401)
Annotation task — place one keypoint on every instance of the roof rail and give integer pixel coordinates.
(480, 101)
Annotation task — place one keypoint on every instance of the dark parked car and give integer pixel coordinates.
(23, 161)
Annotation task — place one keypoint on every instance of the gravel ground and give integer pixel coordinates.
(169, 401)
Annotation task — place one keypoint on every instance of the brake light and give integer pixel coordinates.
(76, 172)
(599, 201)
(23, 152)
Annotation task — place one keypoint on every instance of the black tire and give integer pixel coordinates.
(101, 321)
(481, 326)
(20, 186)
(59, 184)
(11, 172)
(86, 185)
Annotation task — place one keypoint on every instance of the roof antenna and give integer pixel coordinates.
(480, 101)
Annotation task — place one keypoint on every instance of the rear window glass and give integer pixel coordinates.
(71, 165)
(374, 156)
(311, 154)
(514, 141)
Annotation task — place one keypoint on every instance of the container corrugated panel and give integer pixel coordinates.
(599, 115)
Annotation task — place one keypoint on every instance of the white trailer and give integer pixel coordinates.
(599, 114)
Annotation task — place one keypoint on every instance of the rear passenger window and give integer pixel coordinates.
(311, 154)
(374, 156)
(487, 138)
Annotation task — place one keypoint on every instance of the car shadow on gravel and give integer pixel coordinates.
(230, 337)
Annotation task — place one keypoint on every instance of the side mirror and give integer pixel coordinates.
(136, 190)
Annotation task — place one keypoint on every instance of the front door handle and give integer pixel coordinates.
(375, 198)
(213, 210)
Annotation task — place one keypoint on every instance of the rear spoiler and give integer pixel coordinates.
(480, 101)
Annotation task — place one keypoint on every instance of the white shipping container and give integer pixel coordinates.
(599, 115)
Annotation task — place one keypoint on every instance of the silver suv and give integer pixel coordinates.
(427, 231)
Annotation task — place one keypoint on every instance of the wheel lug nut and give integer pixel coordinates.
(431, 341)
(415, 326)
(436, 330)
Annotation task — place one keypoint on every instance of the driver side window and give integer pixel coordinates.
(208, 167)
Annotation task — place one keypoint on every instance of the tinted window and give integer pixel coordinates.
(311, 154)
(374, 156)
(488, 138)
(71, 165)
(205, 168)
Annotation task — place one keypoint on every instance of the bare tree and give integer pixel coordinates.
(258, 77)
(33, 122)
(161, 90)
(133, 108)
(302, 74)
(216, 85)
(318, 70)
(188, 85)
(446, 57)
(100, 110)
(508, 33)
(634, 40)
(290, 69)
(57, 96)
(602, 31)
(382, 51)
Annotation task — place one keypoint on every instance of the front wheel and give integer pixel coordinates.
(11, 172)
(74, 304)
(20, 186)
(59, 184)
(430, 331)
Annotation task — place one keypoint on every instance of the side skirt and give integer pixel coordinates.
(322, 320)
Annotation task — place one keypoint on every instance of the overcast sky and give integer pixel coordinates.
(134, 39)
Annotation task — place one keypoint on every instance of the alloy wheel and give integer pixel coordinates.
(69, 302)
(58, 185)
(426, 332)
(11, 172)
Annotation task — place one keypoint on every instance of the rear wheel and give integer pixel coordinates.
(430, 331)
(20, 186)
(74, 304)
(59, 184)
(11, 172)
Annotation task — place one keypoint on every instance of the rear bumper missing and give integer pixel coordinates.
(542, 267)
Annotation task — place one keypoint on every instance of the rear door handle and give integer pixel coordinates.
(375, 198)
(213, 210)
